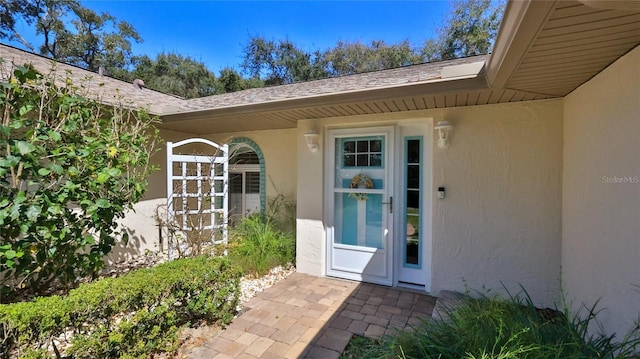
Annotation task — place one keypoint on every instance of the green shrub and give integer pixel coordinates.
(359, 347)
(257, 245)
(130, 316)
(69, 169)
(495, 328)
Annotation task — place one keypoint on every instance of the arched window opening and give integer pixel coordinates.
(246, 179)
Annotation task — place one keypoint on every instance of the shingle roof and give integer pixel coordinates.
(104, 87)
(344, 84)
(163, 104)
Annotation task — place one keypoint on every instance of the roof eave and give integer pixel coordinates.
(521, 23)
(438, 86)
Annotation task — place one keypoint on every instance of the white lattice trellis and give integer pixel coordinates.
(197, 187)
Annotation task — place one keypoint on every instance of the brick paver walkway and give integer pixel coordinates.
(311, 317)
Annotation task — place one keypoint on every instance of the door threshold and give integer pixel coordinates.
(419, 287)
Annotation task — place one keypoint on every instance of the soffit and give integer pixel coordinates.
(558, 46)
(402, 89)
(242, 119)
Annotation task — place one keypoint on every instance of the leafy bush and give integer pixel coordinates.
(130, 316)
(69, 168)
(257, 245)
(499, 329)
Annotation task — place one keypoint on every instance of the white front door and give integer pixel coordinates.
(378, 205)
(359, 207)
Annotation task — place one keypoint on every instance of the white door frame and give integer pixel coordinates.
(423, 130)
(395, 148)
(379, 259)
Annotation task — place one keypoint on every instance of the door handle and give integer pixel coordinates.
(390, 203)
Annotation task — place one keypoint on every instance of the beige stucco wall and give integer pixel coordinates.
(278, 148)
(310, 232)
(501, 219)
(140, 223)
(601, 194)
(500, 223)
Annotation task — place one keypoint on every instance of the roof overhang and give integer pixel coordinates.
(553, 47)
(544, 49)
(286, 112)
(520, 26)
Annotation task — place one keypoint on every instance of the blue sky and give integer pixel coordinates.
(215, 31)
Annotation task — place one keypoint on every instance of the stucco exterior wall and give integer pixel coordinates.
(310, 231)
(280, 165)
(500, 223)
(278, 148)
(501, 219)
(601, 194)
(141, 224)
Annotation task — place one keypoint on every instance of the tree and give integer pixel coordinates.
(9, 9)
(92, 40)
(281, 62)
(69, 169)
(277, 62)
(353, 58)
(230, 80)
(176, 74)
(469, 30)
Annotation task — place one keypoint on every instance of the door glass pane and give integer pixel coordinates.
(412, 247)
(359, 213)
(359, 156)
(413, 237)
(349, 146)
(413, 199)
(358, 221)
(376, 145)
(363, 146)
(375, 160)
(350, 160)
(363, 152)
(413, 151)
(362, 160)
(413, 176)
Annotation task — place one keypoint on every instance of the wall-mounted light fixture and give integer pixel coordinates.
(312, 140)
(443, 129)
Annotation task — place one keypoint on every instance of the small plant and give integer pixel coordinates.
(184, 243)
(281, 211)
(358, 347)
(257, 245)
(495, 328)
(262, 241)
